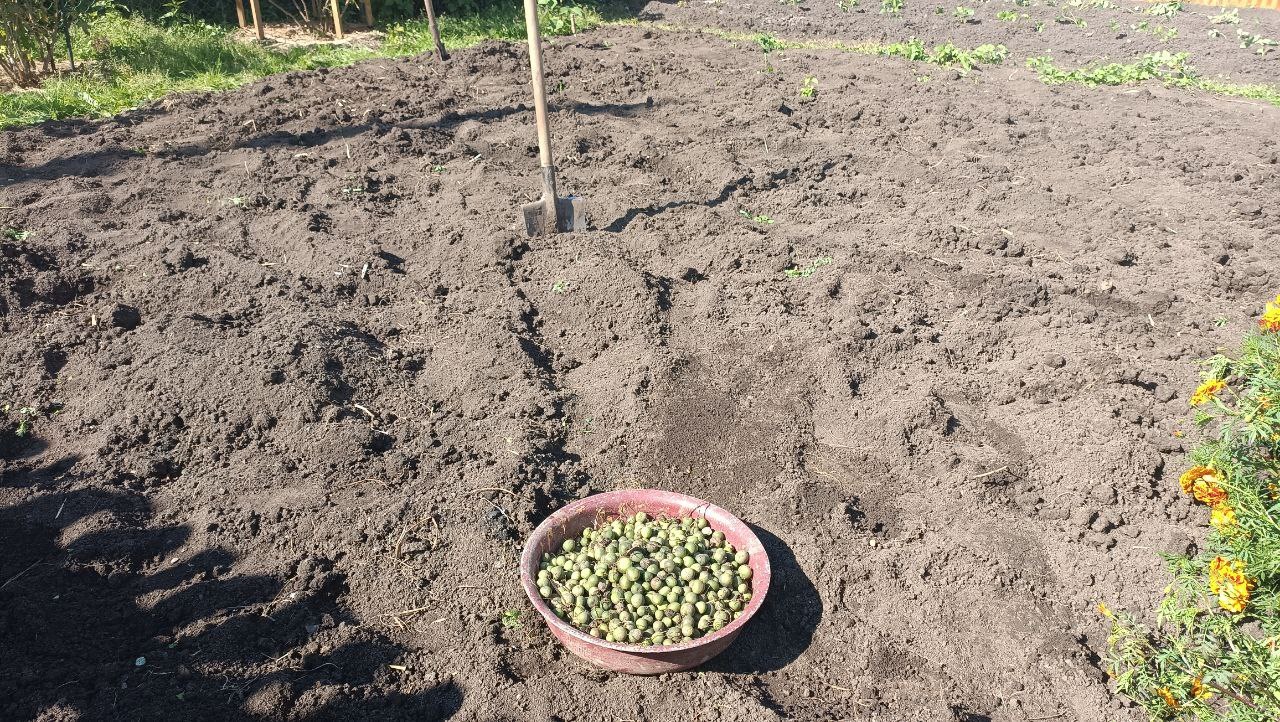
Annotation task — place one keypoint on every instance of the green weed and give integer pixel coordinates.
(511, 619)
(757, 217)
(809, 270)
(1007, 16)
(847, 5)
(17, 234)
(963, 14)
(891, 7)
(560, 287)
(809, 88)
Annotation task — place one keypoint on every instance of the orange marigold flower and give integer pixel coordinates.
(1223, 516)
(1228, 582)
(1199, 689)
(1203, 483)
(1270, 320)
(1168, 698)
(1207, 390)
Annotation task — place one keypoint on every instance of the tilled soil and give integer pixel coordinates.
(302, 387)
(1071, 32)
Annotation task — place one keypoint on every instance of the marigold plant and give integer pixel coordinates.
(1213, 651)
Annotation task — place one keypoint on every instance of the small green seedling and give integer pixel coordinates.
(1220, 322)
(963, 14)
(891, 7)
(352, 190)
(16, 234)
(438, 169)
(26, 415)
(511, 619)
(809, 88)
(1039, 28)
(1007, 16)
(847, 5)
(560, 287)
(237, 201)
(1230, 17)
(768, 43)
(757, 217)
(1248, 40)
(809, 270)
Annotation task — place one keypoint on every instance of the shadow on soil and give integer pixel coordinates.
(105, 615)
(784, 626)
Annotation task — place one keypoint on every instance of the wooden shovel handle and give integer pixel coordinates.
(539, 92)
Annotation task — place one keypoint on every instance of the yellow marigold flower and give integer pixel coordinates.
(1207, 390)
(1168, 698)
(1199, 689)
(1228, 582)
(1223, 516)
(1105, 611)
(1202, 482)
(1270, 320)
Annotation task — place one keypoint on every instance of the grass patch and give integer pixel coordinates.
(131, 61)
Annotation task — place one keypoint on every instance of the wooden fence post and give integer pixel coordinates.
(256, 7)
(337, 19)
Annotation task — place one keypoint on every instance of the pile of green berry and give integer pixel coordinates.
(647, 581)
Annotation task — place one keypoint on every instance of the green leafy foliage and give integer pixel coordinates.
(891, 7)
(1171, 68)
(1162, 65)
(1165, 9)
(963, 14)
(947, 54)
(1249, 40)
(768, 43)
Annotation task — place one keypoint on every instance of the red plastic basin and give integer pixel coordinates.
(630, 658)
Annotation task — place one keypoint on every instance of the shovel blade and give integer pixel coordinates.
(572, 212)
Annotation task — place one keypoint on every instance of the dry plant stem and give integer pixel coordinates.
(991, 473)
(493, 488)
(15, 577)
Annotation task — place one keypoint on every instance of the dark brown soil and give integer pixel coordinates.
(284, 343)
